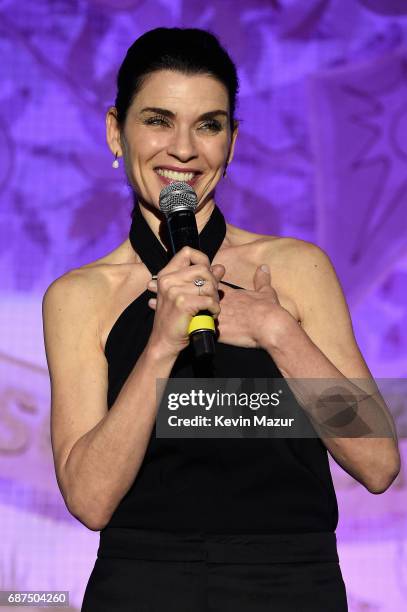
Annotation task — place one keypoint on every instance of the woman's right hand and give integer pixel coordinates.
(178, 298)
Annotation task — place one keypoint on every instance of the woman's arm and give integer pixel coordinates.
(97, 452)
(324, 348)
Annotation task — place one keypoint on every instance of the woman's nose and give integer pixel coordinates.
(182, 145)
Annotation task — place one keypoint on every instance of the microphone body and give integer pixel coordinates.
(178, 202)
(182, 229)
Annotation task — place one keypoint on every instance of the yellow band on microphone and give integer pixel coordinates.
(201, 322)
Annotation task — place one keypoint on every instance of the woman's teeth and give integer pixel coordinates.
(176, 176)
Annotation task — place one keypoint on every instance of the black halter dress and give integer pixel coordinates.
(214, 524)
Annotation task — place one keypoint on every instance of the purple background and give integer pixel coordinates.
(321, 155)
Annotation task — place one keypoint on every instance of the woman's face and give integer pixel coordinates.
(177, 129)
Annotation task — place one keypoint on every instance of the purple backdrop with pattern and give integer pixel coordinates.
(321, 156)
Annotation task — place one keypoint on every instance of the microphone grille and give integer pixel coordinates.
(177, 195)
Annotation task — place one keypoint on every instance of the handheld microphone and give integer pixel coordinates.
(178, 202)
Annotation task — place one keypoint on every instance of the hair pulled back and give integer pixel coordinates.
(186, 50)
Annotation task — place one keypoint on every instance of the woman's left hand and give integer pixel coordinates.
(252, 318)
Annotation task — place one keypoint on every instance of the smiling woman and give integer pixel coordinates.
(243, 523)
(183, 121)
(177, 128)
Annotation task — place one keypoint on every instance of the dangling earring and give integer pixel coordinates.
(115, 164)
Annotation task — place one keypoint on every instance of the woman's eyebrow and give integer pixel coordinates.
(168, 113)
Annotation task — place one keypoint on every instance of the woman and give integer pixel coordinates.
(197, 524)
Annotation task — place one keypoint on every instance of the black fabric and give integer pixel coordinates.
(134, 585)
(215, 485)
(215, 524)
(151, 251)
(218, 548)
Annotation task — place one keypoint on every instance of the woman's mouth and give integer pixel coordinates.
(169, 176)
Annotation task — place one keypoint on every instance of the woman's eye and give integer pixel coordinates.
(156, 121)
(212, 126)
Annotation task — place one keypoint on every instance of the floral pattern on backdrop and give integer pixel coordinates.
(321, 156)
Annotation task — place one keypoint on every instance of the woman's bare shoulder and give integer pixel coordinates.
(99, 290)
(289, 259)
(277, 247)
(74, 300)
(98, 275)
(292, 259)
(91, 285)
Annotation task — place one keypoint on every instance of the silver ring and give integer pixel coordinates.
(154, 277)
(199, 282)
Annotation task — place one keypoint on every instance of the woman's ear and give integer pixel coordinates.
(113, 135)
(233, 141)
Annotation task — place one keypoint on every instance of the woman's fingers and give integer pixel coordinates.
(188, 276)
(193, 304)
(177, 298)
(187, 256)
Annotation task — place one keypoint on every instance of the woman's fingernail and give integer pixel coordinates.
(265, 268)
